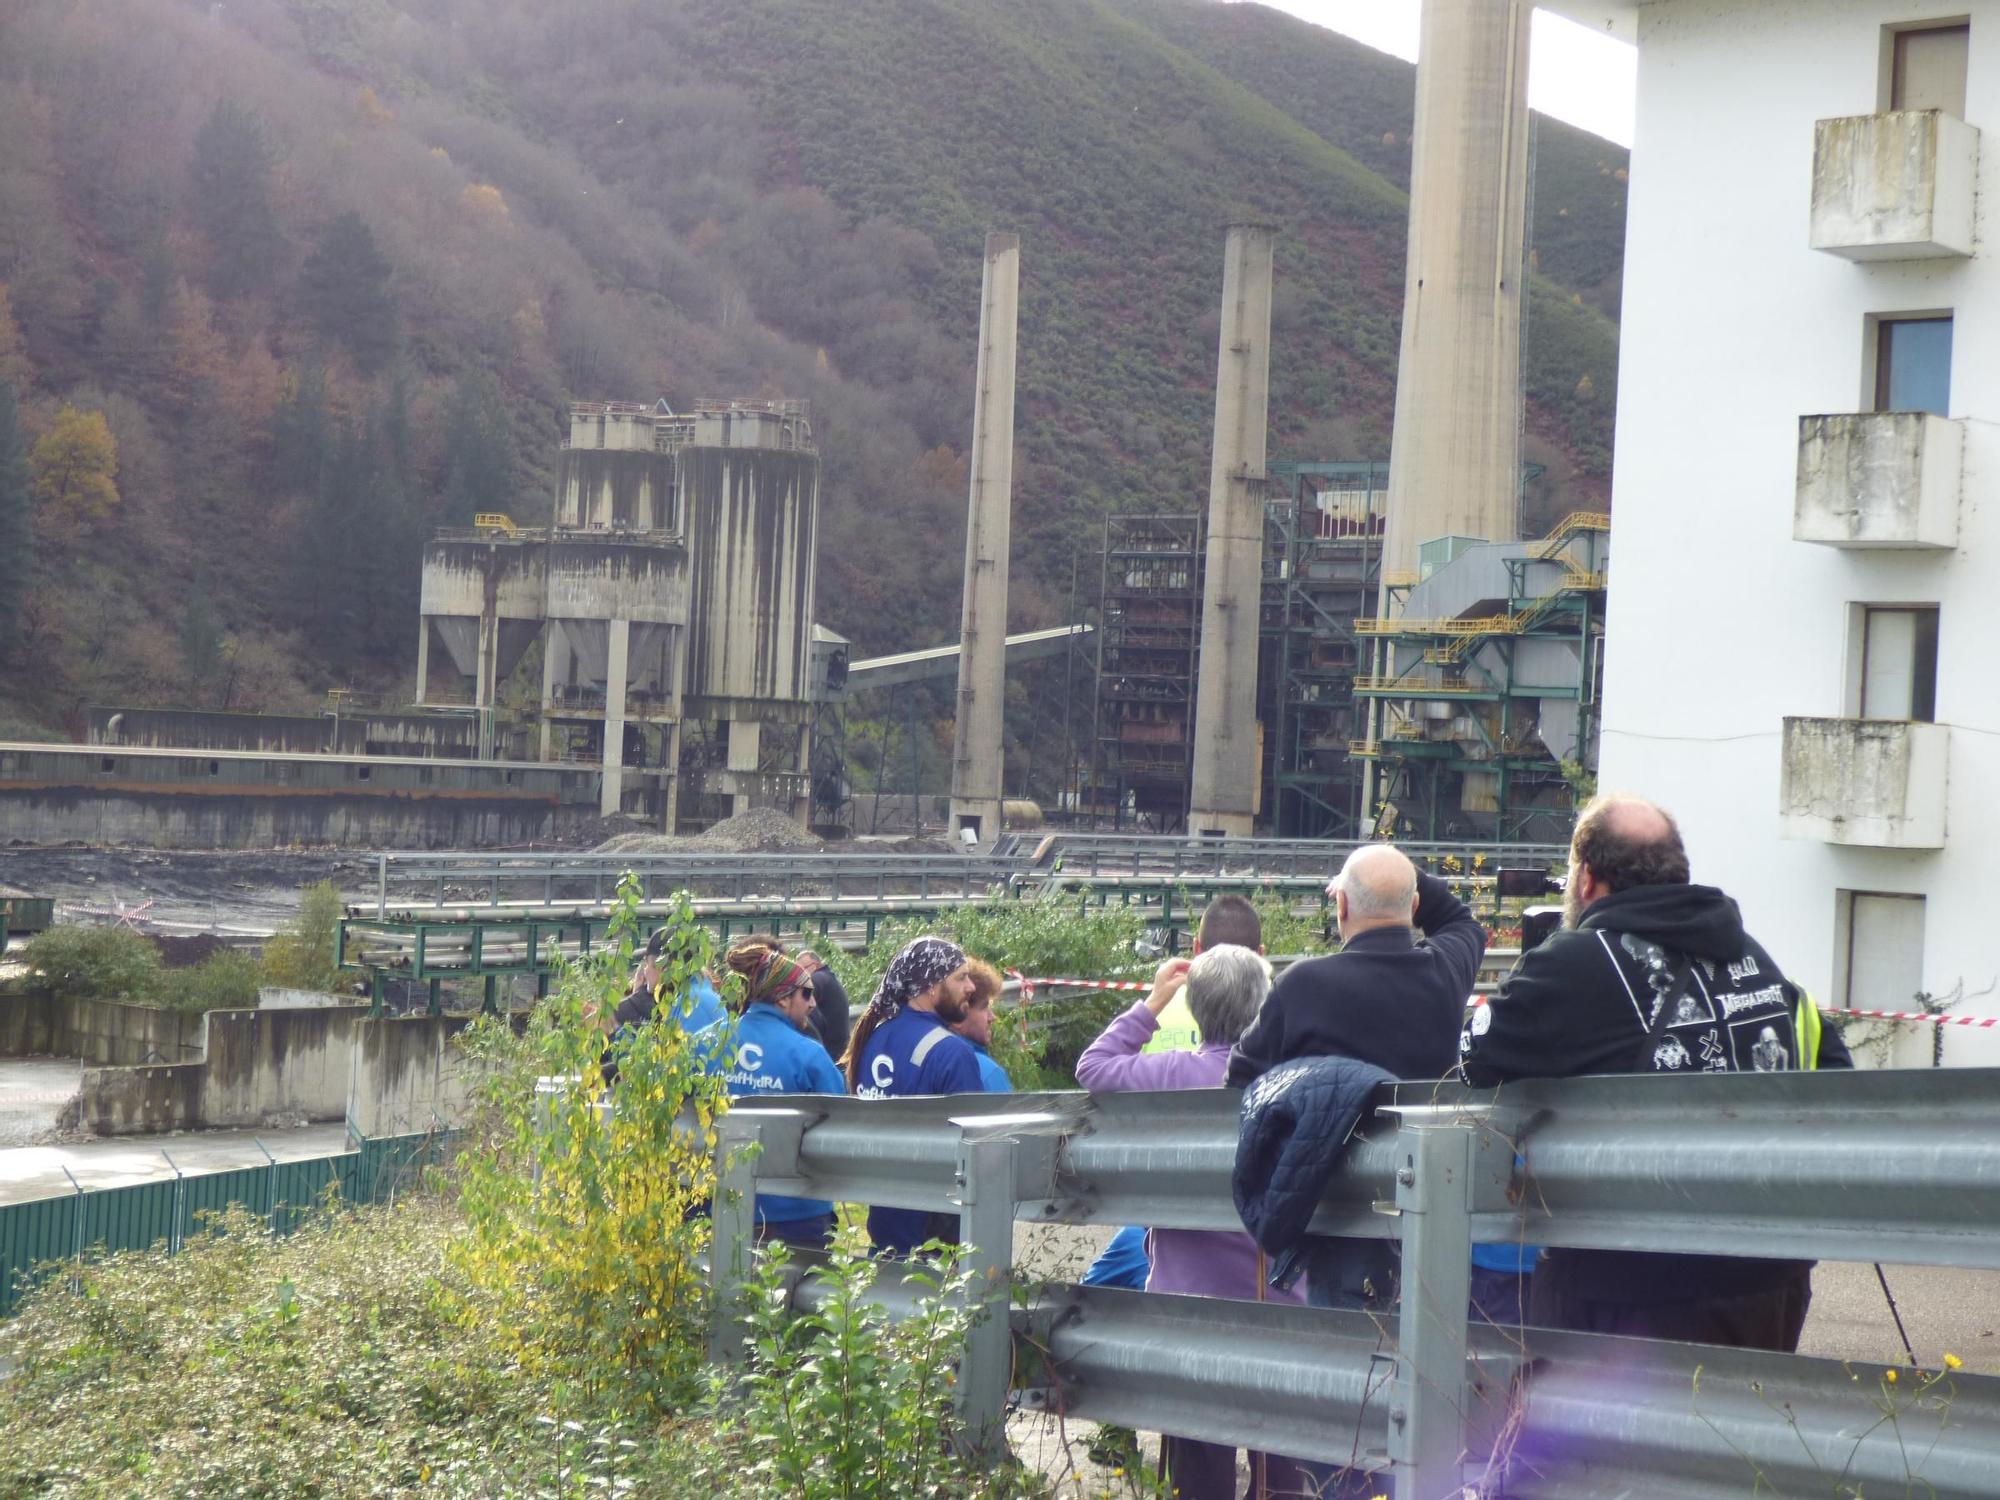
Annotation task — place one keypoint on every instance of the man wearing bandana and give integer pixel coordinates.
(903, 1046)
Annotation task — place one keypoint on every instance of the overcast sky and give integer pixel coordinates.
(1575, 74)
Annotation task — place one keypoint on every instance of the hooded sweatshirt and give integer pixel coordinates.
(1586, 1001)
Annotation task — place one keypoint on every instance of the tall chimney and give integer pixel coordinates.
(1223, 800)
(982, 651)
(1455, 463)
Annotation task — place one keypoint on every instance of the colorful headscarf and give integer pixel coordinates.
(921, 964)
(774, 974)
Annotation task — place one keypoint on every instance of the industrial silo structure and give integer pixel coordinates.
(749, 487)
(481, 608)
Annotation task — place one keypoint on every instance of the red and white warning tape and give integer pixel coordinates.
(1029, 986)
(1983, 1023)
(1980, 1023)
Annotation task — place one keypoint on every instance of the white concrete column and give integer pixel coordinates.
(1455, 463)
(555, 667)
(424, 659)
(1223, 798)
(611, 796)
(746, 747)
(978, 733)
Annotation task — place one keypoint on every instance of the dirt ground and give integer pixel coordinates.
(249, 892)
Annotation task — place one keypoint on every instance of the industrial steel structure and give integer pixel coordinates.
(672, 598)
(1148, 647)
(1486, 676)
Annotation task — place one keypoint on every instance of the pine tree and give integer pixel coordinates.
(230, 190)
(17, 530)
(345, 293)
(481, 463)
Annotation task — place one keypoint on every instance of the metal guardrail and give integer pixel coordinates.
(1143, 854)
(1851, 1166)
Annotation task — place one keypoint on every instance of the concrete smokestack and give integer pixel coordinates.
(1224, 795)
(1455, 464)
(982, 655)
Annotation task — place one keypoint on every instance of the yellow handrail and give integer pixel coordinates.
(493, 520)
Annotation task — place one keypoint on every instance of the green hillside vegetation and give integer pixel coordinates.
(287, 283)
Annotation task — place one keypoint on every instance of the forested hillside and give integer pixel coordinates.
(286, 283)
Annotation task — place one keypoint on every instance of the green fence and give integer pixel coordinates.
(162, 1215)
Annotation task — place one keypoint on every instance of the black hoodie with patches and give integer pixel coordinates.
(1587, 1001)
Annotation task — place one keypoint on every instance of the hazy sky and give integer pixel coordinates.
(1575, 74)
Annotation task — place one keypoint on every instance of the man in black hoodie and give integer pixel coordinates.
(1651, 974)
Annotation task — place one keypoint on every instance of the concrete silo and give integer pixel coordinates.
(482, 604)
(749, 488)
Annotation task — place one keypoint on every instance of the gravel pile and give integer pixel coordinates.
(762, 830)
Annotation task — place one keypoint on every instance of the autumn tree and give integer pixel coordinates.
(17, 532)
(229, 184)
(345, 292)
(76, 466)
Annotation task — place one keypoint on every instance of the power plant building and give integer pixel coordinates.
(672, 598)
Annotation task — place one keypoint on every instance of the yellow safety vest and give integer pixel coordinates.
(1177, 1032)
(1806, 1026)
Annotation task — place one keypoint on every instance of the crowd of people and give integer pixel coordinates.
(1649, 973)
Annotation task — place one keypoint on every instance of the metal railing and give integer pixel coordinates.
(1901, 1166)
(463, 883)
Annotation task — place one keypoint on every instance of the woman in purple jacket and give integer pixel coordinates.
(1225, 986)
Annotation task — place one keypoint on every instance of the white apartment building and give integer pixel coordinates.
(1801, 656)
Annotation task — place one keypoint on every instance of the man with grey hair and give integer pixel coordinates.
(1390, 996)
(1225, 987)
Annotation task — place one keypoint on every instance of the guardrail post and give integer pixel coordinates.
(1430, 1404)
(739, 1145)
(986, 1230)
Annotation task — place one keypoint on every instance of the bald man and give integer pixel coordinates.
(1388, 997)
(1652, 974)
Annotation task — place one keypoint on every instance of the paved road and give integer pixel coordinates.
(28, 1172)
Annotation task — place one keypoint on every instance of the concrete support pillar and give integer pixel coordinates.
(670, 811)
(424, 660)
(746, 748)
(555, 668)
(1223, 798)
(1455, 463)
(978, 734)
(612, 795)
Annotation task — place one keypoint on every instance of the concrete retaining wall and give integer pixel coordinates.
(224, 799)
(105, 1032)
(155, 1071)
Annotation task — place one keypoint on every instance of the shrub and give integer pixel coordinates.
(223, 981)
(587, 1225)
(95, 963)
(845, 1403)
(302, 957)
(349, 1360)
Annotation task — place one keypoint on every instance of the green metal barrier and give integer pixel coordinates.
(46, 1232)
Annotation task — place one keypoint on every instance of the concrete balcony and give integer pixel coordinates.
(1876, 783)
(1879, 480)
(1896, 186)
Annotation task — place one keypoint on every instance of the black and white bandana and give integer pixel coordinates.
(921, 964)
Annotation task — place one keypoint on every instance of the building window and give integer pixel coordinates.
(1925, 64)
(1897, 657)
(1880, 960)
(1913, 364)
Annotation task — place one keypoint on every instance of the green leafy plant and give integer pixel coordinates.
(227, 980)
(302, 956)
(847, 1403)
(587, 1225)
(94, 963)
